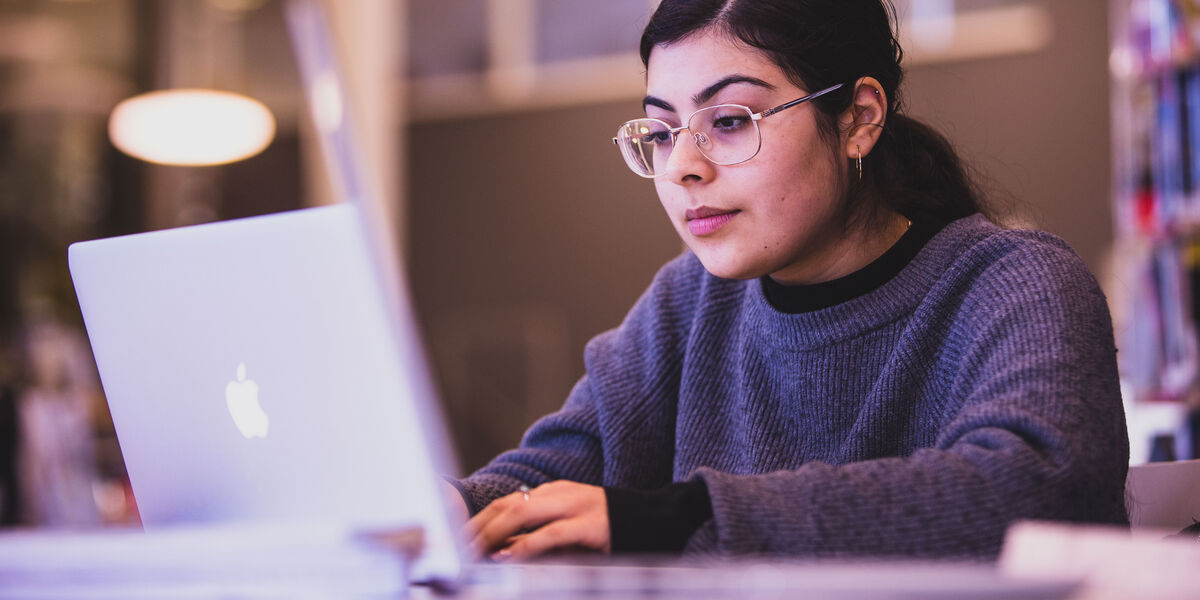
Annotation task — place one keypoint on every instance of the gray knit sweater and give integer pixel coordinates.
(975, 388)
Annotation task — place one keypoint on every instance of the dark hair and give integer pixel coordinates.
(820, 43)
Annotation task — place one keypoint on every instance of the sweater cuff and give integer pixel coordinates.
(656, 521)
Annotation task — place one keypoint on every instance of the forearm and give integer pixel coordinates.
(935, 503)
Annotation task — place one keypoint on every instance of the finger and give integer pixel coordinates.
(508, 525)
(567, 532)
(514, 539)
(490, 512)
(514, 518)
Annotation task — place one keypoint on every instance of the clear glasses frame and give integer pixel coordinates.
(636, 160)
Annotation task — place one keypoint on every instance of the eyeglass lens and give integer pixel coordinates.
(725, 135)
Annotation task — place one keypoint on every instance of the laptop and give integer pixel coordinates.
(255, 372)
(270, 369)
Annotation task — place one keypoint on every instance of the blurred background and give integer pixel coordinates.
(522, 230)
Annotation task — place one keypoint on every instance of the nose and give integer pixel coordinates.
(687, 165)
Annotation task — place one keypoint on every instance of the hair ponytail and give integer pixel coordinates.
(914, 169)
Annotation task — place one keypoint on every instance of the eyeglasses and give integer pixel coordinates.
(726, 134)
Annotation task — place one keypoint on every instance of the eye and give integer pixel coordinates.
(730, 122)
(657, 137)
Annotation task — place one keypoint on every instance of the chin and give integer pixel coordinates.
(728, 269)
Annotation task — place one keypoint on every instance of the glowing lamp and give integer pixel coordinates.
(191, 127)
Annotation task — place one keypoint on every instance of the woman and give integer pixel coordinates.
(850, 360)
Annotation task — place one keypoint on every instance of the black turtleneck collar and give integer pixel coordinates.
(795, 299)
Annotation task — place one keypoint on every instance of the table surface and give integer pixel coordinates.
(252, 562)
(1047, 562)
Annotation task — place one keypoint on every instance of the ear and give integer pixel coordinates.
(863, 121)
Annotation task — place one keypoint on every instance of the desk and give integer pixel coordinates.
(758, 580)
(226, 561)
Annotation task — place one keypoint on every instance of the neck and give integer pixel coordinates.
(846, 254)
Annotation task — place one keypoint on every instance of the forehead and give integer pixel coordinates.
(677, 71)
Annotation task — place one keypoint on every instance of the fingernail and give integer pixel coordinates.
(502, 555)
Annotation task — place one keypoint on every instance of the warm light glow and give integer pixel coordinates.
(191, 127)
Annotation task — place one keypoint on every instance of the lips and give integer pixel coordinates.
(706, 220)
(705, 212)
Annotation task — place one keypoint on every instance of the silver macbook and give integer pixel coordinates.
(255, 372)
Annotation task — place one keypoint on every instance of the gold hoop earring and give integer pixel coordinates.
(859, 162)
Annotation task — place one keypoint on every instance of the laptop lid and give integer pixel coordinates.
(255, 371)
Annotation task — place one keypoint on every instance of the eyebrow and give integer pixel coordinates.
(707, 93)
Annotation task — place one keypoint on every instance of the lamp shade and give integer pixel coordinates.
(191, 127)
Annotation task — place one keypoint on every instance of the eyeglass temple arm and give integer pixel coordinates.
(787, 105)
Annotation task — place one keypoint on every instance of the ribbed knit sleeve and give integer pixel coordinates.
(1008, 363)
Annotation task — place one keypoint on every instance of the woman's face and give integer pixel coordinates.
(772, 215)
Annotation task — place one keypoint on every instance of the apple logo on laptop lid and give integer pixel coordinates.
(241, 397)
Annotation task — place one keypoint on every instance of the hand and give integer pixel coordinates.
(559, 514)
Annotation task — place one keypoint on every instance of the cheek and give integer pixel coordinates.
(666, 194)
(802, 151)
(807, 171)
(660, 188)
(800, 191)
